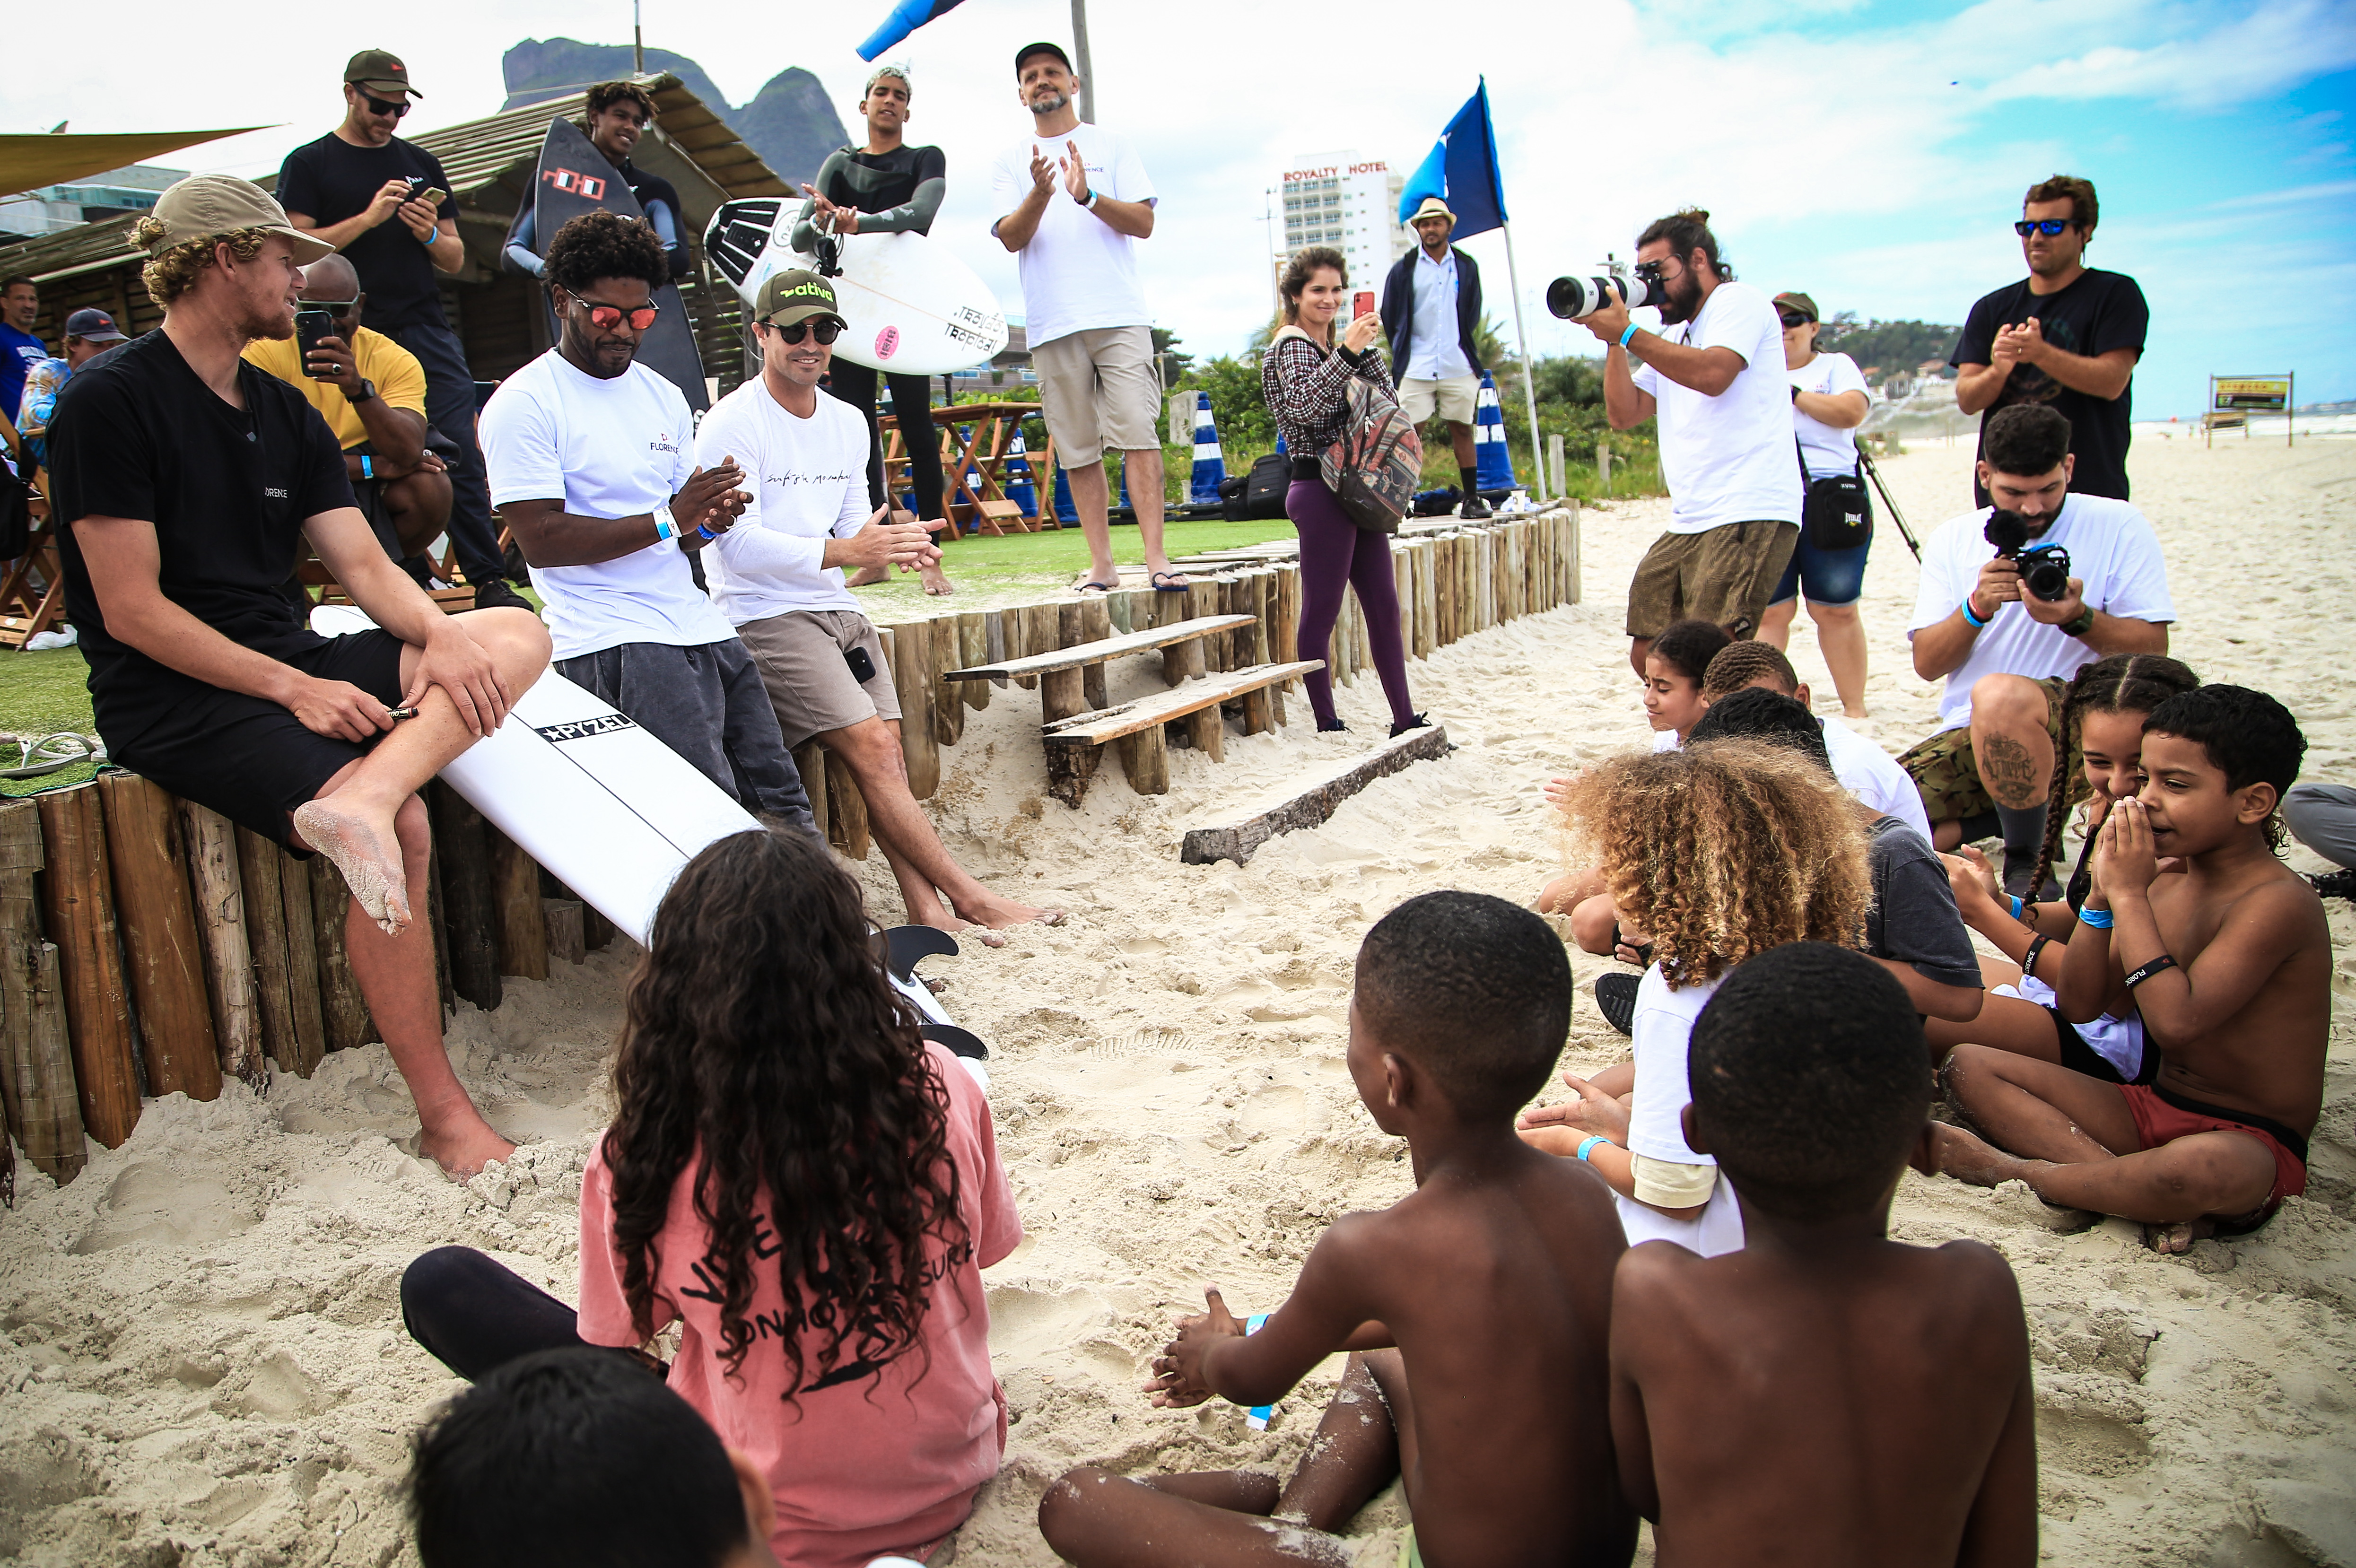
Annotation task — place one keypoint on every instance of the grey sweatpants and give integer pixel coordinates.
(2323, 817)
(707, 704)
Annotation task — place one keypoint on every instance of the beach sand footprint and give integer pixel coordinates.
(153, 1204)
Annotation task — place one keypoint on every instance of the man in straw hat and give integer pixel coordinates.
(1432, 302)
(187, 479)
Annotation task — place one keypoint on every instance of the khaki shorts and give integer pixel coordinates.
(1098, 391)
(800, 657)
(1948, 776)
(1453, 400)
(1723, 574)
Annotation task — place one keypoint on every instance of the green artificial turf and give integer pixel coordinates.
(41, 694)
(1036, 565)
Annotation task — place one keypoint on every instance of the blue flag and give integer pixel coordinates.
(906, 19)
(1462, 171)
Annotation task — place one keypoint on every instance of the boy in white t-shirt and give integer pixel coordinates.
(1714, 374)
(2008, 655)
(591, 466)
(1073, 201)
(777, 577)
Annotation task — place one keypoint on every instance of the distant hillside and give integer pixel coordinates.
(1891, 348)
(791, 122)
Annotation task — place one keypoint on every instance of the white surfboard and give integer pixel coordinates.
(612, 813)
(911, 306)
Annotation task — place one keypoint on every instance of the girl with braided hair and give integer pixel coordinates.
(1720, 852)
(2101, 720)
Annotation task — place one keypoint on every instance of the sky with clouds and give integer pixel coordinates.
(1871, 152)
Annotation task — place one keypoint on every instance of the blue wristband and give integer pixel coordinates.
(2016, 906)
(1967, 608)
(368, 469)
(2100, 919)
(1628, 334)
(1257, 1416)
(1588, 1143)
(707, 533)
(430, 238)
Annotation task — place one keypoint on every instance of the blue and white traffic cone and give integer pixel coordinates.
(1210, 465)
(1492, 462)
(1017, 477)
(1064, 511)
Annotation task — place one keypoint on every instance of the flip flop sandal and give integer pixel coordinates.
(1093, 586)
(1615, 999)
(1644, 953)
(1168, 582)
(47, 755)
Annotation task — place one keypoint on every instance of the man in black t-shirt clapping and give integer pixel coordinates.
(363, 189)
(186, 479)
(2066, 335)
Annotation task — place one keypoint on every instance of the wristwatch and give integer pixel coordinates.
(367, 390)
(2081, 623)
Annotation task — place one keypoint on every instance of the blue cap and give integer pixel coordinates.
(92, 326)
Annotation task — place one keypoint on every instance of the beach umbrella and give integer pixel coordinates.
(1210, 466)
(1492, 464)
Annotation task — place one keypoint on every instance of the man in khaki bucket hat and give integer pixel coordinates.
(185, 480)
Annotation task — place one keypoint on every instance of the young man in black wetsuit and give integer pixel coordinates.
(884, 187)
(614, 118)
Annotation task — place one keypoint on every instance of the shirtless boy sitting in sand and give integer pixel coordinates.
(2229, 963)
(1825, 1395)
(1492, 1280)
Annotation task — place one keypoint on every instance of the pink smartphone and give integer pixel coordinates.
(1363, 304)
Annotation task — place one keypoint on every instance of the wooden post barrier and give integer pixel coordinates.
(948, 704)
(519, 923)
(37, 1075)
(973, 649)
(158, 918)
(846, 809)
(210, 841)
(1096, 626)
(908, 649)
(462, 842)
(266, 936)
(342, 1009)
(78, 907)
(566, 940)
(809, 762)
(302, 964)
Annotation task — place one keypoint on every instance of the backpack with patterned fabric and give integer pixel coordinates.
(1375, 468)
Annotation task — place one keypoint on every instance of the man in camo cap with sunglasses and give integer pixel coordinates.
(778, 576)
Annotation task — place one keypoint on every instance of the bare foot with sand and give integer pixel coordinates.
(998, 914)
(463, 1150)
(358, 849)
(2179, 1237)
(1967, 1156)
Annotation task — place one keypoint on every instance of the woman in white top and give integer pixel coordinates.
(1829, 400)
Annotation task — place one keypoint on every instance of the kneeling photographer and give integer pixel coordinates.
(1714, 374)
(2014, 600)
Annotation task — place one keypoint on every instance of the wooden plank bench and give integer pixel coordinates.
(1074, 744)
(1062, 675)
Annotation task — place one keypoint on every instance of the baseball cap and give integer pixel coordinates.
(1793, 299)
(92, 326)
(380, 70)
(794, 295)
(1027, 50)
(204, 205)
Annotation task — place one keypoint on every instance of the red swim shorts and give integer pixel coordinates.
(2162, 1117)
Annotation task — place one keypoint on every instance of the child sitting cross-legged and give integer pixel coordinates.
(2227, 958)
(1475, 1309)
(1720, 851)
(1825, 1395)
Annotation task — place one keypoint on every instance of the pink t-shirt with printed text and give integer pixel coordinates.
(863, 1467)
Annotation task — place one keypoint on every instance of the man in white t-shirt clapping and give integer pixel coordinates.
(1714, 375)
(777, 577)
(2008, 654)
(592, 467)
(1075, 201)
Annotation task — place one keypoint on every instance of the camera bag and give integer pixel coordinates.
(1836, 513)
(1258, 494)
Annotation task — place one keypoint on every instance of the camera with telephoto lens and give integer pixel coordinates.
(1576, 299)
(2044, 569)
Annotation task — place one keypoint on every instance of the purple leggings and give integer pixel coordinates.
(1337, 553)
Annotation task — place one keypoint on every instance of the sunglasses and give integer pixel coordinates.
(606, 317)
(824, 331)
(1791, 320)
(2048, 227)
(380, 106)
(333, 307)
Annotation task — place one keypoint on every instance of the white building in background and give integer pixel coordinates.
(1346, 201)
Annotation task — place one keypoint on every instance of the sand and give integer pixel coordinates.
(201, 1358)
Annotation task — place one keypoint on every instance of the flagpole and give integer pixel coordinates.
(1088, 72)
(1529, 387)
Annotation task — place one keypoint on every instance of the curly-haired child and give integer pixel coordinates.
(1720, 852)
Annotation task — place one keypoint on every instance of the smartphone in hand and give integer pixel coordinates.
(310, 326)
(434, 197)
(1362, 303)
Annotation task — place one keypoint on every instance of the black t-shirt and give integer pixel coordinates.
(137, 435)
(329, 180)
(878, 182)
(2099, 313)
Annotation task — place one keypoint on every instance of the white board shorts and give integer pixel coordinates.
(1453, 400)
(1098, 391)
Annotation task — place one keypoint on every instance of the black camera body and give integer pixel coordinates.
(2044, 569)
(1576, 299)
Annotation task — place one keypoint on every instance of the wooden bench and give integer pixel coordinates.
(1062, 676)
(1074, 743)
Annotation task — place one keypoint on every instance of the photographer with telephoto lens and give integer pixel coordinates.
(1714, 374)
(2014, 600)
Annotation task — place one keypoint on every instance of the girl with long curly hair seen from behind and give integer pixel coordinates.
(810, 1189)
(1720, 852)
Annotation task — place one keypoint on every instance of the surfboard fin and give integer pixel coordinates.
(906, 946)
(963, 1042)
